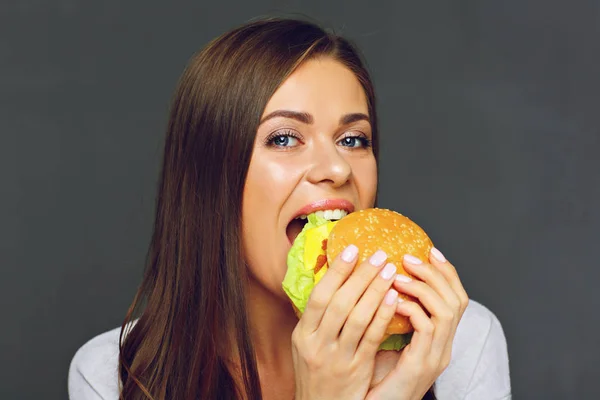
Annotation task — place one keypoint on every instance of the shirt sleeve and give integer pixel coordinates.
(80, 388)
(93, 373)
(491, 377)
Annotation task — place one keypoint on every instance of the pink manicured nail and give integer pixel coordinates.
(412, 259)
(391, 297)
(378, 258)
(350, 253)
(438, 255)
(388, 271)
(403, 278)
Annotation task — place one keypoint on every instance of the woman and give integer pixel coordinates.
(267, 119)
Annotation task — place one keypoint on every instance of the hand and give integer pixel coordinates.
(336, 339)
(407, 375)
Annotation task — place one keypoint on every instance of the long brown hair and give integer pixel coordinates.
(189, 311)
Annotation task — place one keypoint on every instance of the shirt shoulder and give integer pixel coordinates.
(479, 367)
(93, 373)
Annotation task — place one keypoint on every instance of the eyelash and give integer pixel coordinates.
(286, 133)
(366, 143)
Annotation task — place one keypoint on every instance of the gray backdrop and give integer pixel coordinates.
(490, 126)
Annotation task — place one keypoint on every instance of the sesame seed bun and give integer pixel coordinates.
(380, 229)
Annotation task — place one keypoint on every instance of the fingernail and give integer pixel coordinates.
(412, 259)
(400, 300)
(388, 271)
(438, 255)
(378, 258)
(391, 297)
(403, 278)
(350, 253)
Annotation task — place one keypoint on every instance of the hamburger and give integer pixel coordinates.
(322, 240)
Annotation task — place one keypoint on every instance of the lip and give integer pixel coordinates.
(325, 204)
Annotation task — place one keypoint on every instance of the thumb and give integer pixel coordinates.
(385, 361)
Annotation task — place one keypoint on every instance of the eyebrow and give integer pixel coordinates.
(354, 117)
(308, 119)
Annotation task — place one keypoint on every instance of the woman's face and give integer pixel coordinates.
(312, 152)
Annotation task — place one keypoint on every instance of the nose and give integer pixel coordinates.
(328, 165)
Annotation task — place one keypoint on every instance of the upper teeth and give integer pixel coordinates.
(329, 214)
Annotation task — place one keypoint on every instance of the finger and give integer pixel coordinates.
(442, 315)
(323, 291)
(420, 343)
(375, 332)
(361, 315)
(434, 278)
(449, 272)
(446, 327)
(412, 362)
(347, 296)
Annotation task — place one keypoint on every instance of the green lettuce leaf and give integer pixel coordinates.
(299, 280)
(396, 342)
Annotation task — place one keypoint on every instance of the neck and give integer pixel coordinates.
(272, 321)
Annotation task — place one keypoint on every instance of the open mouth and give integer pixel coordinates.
(297, 224)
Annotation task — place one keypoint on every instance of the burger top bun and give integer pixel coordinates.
(375, 229)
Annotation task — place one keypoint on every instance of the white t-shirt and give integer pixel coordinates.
(478, 370)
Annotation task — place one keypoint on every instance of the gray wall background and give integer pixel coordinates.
(491, 132)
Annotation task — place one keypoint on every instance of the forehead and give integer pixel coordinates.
(321, 87)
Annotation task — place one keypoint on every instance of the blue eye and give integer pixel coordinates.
(283, 140)
(355, 141)
(286, 139)
(289, 139)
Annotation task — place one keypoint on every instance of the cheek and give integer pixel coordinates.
(268, 185)
(266, 174)
(365, 177)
